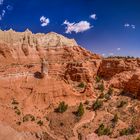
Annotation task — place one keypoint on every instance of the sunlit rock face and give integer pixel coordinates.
(63, 64)
(20, 46)
(51, 39)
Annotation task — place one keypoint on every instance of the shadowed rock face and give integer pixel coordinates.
(122, 74)
(111, 67)
(133, 85)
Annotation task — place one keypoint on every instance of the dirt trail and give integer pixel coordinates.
(88, 117)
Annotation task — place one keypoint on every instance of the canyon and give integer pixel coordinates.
(39, 71)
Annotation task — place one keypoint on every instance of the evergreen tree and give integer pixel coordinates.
(80, 111)
(62, 107)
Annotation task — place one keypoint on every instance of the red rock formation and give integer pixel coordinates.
(25, 57)
(112, 66)
(133, 85)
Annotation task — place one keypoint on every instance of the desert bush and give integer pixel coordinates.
(102, 130)
(15, 107)
(81, 85)
(61, 124)
(28, 117)
(17, 111)
(40, 123)
(110, 91)
(98, 104)
(62, 107)
(121, 104)
(127, 131)
(98, 79)
(14, 102)
(18, 123)
(101, 95)
(101, 87)
(107, 96)
(86, 102)
(80, 111)
(115, 119)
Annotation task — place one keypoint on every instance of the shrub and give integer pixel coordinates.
(115, 119)
(101, 95)
(14, 102)
(98, 104)
(102, 130)
(25, 119)
(86, 102)
(80, 111)
(101, 87)
(18, 123)
(40, 123)
(61, 124)
(107, 96)
(32, 118)
(62, 107)
(98, 79)
(128, 131)
(28, 117)
(122, 103)
(110, 91)
(15, 107)
(17, 111)
(81, 85)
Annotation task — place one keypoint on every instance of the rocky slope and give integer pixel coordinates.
(121, 73)
(37, 71)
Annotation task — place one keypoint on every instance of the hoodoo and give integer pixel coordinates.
(44, 68)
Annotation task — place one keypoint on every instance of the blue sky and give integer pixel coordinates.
(113, 28)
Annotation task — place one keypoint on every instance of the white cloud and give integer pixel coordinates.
(77, 27)
(118, 49)
(1, 2)
(93, 16)
(127, 25)
(44, 21)
(133, 26)
(2, 14)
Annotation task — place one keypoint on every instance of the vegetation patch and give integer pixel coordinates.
(17, 111)
(80, 111)
(127, 131)
(62, 107)
(98, 79)
(102, 130)
(98, 104)
(18, 123)
(14, 102)
(28, 117)
(81, 85)
(101, 87)
(40, 123)
(121, 104)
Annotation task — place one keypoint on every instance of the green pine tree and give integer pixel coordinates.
(80, 111)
